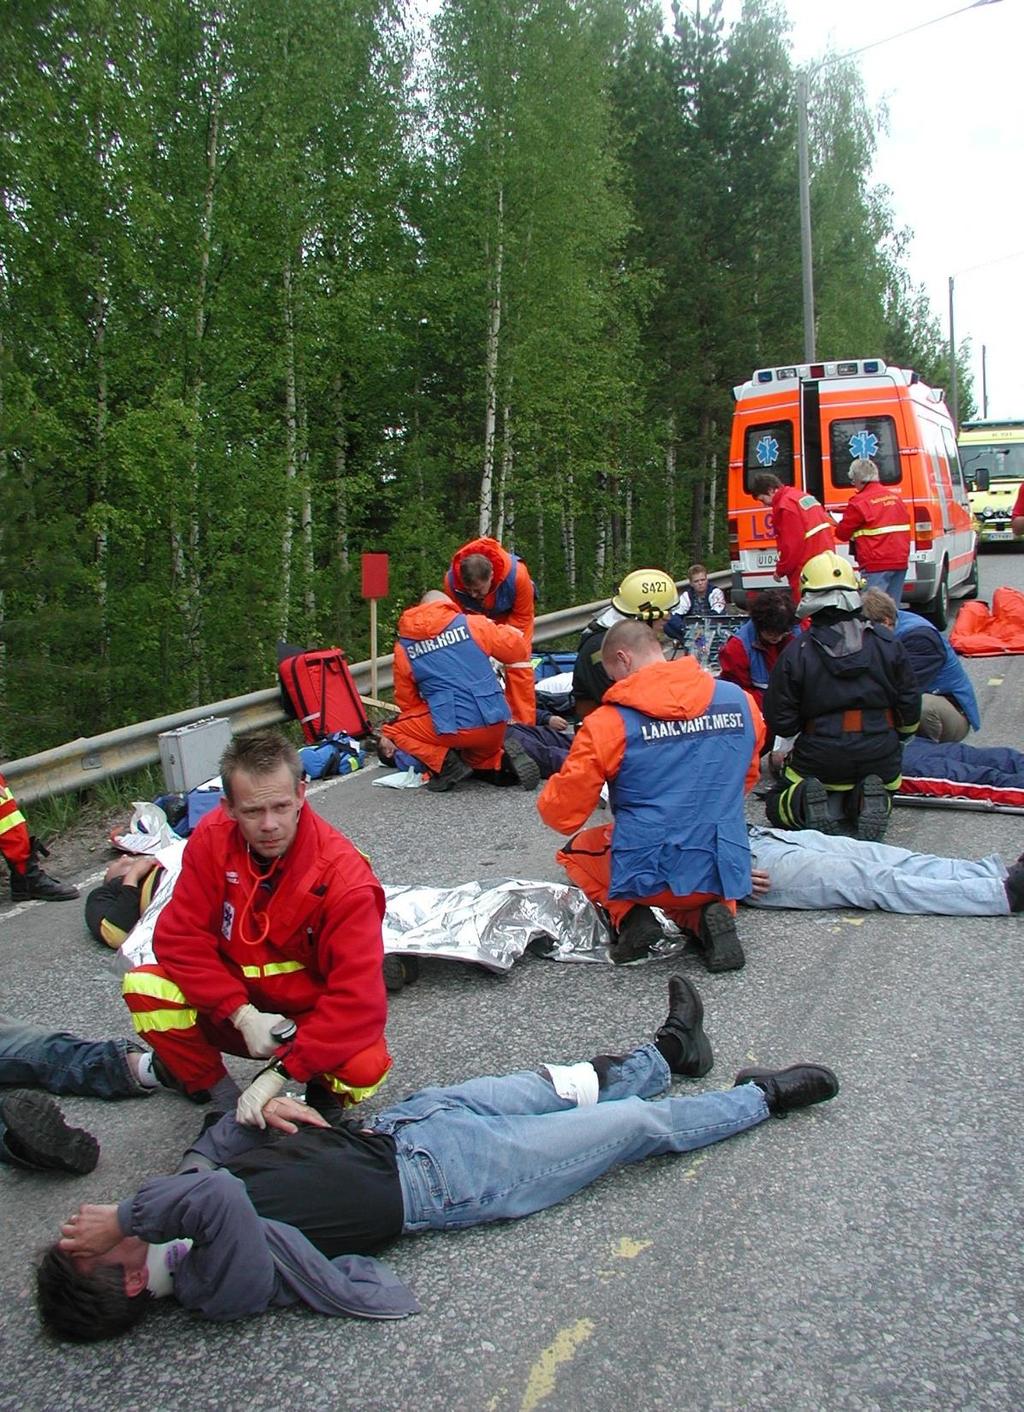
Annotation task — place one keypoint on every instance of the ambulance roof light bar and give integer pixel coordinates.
(804, 372)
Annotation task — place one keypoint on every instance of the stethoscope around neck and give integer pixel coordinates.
(258, 879)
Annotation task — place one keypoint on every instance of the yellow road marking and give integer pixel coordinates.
(541, 1383)
(628, 1249)
(995, 681)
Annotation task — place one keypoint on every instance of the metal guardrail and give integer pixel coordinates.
(83, 763)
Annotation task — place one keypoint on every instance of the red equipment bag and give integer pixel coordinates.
(318, 690)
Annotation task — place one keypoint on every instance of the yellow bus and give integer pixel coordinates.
(992, 457)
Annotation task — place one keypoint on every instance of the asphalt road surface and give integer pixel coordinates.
(864, 1254)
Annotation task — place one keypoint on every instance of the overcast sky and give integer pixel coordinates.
(953, 157)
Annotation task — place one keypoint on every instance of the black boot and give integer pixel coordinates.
(38, 1137)
(873, 806)
(525, 767)
(400, 971)
(681, 1040)
(810, 802)
(796, 1087)
(718, 940)
(33, 885)
(452, 772)
(634, 939)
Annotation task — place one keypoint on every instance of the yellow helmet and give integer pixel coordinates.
(647, 594)
(827, 570)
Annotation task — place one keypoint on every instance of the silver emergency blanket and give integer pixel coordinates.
(492, 923)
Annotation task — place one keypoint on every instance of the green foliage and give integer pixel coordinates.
(262, 267)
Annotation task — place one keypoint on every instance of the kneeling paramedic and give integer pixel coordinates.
(275, 917)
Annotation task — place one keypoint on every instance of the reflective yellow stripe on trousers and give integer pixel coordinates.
(159, 988)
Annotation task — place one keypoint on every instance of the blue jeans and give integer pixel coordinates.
(493, 1149)
(890, 581)
(62, 1063)
(809, 870)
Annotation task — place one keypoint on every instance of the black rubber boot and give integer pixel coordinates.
(634, 939)
(796, 1087)
(400, 971)
(873, 806)
(452, 772)
(526, 769)
(719, 943)
(38, 1137)
(681, 1040)
(33, 885)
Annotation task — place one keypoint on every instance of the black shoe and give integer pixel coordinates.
(1014, 885)
(814, 808)
(452, 772)
(634, 939)
(526, 769)
(796, 1087)
(718, 941)
(37, 1135)
(681, 1039)
(168, 1080)
(33, 885)
(875, 805)
(400, 971)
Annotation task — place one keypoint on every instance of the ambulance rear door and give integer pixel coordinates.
(766, 436)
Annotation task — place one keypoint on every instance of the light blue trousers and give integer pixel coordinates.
(809, 870)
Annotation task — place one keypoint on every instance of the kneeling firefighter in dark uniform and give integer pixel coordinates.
(847, 690)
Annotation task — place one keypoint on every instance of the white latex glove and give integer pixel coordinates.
(263, 1088)
(254, 1026)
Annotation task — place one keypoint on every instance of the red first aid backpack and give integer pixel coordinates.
(318, 690)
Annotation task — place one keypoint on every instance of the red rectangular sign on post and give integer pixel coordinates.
(375, 576)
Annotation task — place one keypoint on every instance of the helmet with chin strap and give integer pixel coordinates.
(646, 594)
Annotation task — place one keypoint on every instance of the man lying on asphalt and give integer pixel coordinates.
(807, 869)
(278, 1218)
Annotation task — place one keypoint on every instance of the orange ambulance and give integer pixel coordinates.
(807, 423)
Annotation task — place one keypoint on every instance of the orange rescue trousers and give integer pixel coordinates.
(587, 860)
(190, 1044)
(481, 748)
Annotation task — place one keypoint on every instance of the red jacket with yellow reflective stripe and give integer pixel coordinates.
(802, 528)
(877, 523)
(322, 960)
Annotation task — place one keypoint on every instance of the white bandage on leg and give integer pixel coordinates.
(577, 1083)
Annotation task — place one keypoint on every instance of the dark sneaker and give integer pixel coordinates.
(634, 939)
(37, 1135)
(875, 805)
(453, 772)
(168, 1080)
(681, 1039)
(796, 1087)
(527, 771)
(719, 944)
(815, 807)
(400, 971)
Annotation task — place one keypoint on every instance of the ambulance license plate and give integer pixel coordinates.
(767, 558)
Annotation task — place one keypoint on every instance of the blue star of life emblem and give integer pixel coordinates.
(767, 450)
(863, 443)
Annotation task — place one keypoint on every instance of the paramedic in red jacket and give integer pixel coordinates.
(275, 916)
(447, 693)
(485, 578)
(877, 525)
(678, 750)
(801, 525)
